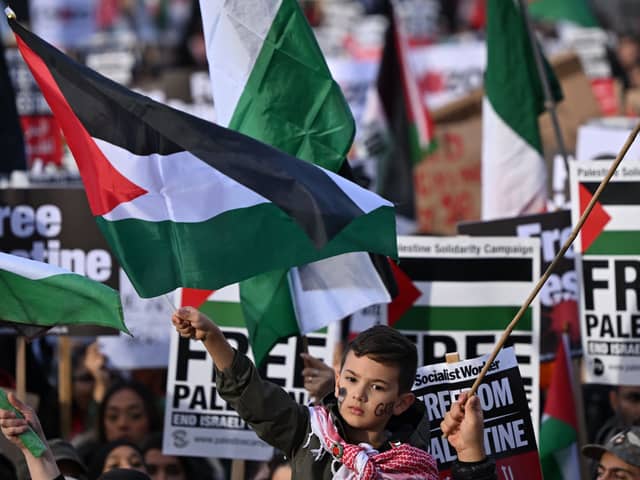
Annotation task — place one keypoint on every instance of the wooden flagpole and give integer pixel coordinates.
(563, 250)
(64, 384)
(21, 368)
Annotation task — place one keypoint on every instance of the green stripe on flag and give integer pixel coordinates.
(555, 435)
(65, 299)
(143, 245)
(225, 314)
(616, 243)
(462, 318)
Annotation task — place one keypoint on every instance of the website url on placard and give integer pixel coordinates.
(229, 441)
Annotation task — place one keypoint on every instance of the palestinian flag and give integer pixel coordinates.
(36, 295)
(558, 431)
(514, 175)
(613, 226)
(270, 81)
(183, 202)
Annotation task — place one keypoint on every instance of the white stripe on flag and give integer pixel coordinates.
(235, 33)
(472, 294)
(173, 182)
(230, 293)
(28, 268)
(514, 176)
(623, 217)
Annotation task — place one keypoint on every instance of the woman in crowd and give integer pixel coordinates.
(127, 412)
(118, 454)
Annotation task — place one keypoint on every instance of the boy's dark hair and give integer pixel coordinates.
(386, 345)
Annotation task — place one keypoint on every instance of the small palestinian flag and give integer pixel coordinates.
(36, 295)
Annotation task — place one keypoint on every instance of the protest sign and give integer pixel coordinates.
(609, 266)
(559, 294)
(197, 421)
(449, 71)
(508, 430)
(604, 138)
(472, 288)
(64, 23)
(43, 139)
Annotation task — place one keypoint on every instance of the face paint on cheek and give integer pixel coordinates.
(383, 409)
(342, 394)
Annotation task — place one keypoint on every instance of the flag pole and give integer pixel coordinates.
(65, 389)
(558, 257)
(549, 102)
(576, 388)
(21, 368)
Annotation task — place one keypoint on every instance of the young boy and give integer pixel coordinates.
(372, 429)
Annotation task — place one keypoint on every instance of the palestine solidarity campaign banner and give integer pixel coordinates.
(508, 431)
(609, 266)
(471, 288)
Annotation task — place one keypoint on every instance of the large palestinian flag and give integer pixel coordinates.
(184, 202)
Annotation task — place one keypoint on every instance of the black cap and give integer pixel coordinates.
(624, 445)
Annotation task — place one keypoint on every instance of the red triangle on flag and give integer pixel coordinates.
(194, 297)
(596, 221)
(407, 295)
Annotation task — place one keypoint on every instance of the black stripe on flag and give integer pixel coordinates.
(616, 193)
(468, 269)
(142, 126)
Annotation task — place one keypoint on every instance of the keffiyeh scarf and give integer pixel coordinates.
(362, 461)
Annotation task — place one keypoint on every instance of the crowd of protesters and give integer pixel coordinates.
(116, 422)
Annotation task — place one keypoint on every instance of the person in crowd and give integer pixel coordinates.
(43, 467)
(619, 457)
(124, 474)
(625, 403)
(171, 467)
(127, 412)
(373, 424)
(121, 454)
(65, 456)
(91, 380)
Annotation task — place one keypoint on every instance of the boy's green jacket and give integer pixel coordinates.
(283, 423)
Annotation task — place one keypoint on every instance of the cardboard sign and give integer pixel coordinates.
(198, 422)
(508, 430)
(471, 289)
(609, 266)
(559, 294)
